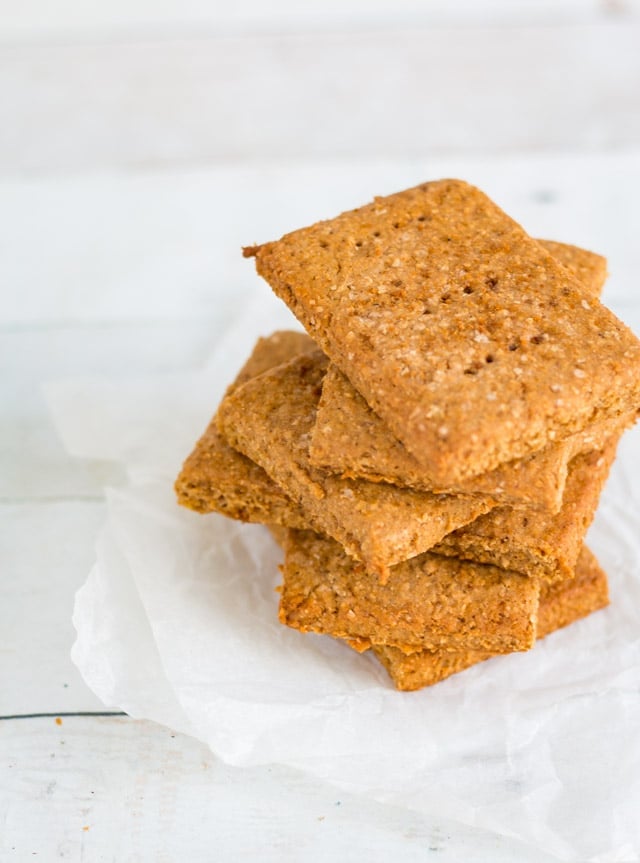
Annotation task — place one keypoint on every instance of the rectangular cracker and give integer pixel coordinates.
(349, 439)
(270, 419)
(545, 546)
(217, 478)
(560, 605)
(436, 602)
(465, 335)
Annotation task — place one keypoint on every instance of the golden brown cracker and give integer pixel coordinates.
(465, 335)
(430, 600)
(217, 478)
(270, 419)
(560, 605)
(544, 545)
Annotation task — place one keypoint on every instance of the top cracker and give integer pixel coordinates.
(463, 333)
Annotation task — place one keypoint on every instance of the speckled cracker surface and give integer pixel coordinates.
(270, 419)
(217, 478)
(559, 606)
(465, 335)
(431, 601)
(349, 439)
(543, 545)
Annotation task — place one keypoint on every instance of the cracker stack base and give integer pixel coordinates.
(431, 454)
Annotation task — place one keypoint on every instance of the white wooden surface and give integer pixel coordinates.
(142, 144)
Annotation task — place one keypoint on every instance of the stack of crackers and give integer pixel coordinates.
(431, 453)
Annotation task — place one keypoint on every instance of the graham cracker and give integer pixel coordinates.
(543, 545)
(349, 439)
(270, 419)
(217, 478)
(436, 602)
(465, 335)
(560, 605)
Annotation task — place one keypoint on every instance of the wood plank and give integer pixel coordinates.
(74, 17)
(115, 789)
(384, 94)
(166, 245)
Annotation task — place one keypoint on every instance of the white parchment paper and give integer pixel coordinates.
(177, 623)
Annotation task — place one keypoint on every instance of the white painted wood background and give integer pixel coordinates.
(141, 144)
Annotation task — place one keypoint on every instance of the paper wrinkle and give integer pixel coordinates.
(177, 622)
(108, 614)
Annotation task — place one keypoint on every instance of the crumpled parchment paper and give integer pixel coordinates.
(177, 623)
